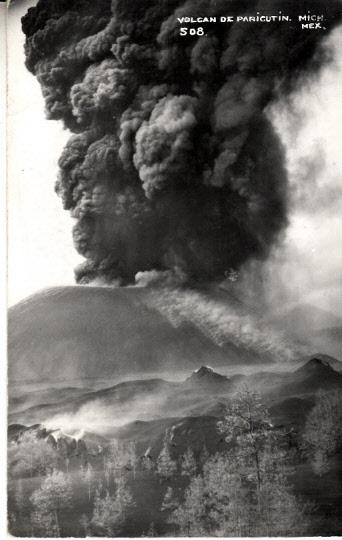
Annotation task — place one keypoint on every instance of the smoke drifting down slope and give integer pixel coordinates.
(172, 162)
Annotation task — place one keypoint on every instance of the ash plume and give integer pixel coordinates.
(222, 323)
(173, 162)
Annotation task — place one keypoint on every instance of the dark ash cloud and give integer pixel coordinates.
(172, 162)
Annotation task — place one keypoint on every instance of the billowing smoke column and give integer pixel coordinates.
(172, 162)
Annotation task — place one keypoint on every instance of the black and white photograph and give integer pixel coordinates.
(174, 268)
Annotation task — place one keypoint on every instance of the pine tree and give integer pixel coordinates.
(166, 466)
(148, 463)
(188, 463)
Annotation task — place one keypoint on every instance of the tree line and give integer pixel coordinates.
(245, 491)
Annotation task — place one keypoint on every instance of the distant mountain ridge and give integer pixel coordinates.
(188, 411)
(315, 374)
(204, 392)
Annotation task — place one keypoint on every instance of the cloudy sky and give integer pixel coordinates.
(309, 264)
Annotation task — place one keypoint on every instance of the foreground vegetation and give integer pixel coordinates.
(248, 489)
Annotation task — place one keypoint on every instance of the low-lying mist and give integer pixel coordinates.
(100, 418)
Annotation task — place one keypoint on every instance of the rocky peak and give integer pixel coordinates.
(316, 364)
(206, 375)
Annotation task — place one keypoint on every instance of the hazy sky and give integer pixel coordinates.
(311, 130)
(41, 251)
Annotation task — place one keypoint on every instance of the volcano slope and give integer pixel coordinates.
(76, 333)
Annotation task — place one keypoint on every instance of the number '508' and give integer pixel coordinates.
(191, 31)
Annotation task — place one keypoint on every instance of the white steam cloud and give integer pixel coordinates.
(99, 417)
(308, 266)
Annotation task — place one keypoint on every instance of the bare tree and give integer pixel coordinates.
(119, 458)
(109, 510)
(88, 477)
(323, 430)
(132, 457)
(50, 499)
(244, 492)
(191, 516)
(264, 466)
(204, 455)
(247, 424)
(31, 455)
